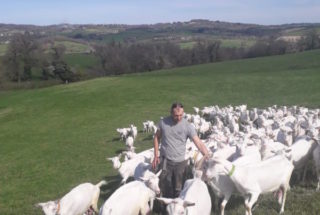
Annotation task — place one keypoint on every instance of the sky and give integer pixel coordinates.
(265, 12)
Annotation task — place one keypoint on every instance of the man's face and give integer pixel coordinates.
(177, 114)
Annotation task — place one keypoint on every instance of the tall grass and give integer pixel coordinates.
(55, 138)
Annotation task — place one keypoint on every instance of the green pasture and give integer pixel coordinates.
(187, 45)
(73, 47)
(82, 62)
(55, 138)
(229, 43)
(301, 31)
(237, 43)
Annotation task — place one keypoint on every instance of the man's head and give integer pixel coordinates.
(177, 112)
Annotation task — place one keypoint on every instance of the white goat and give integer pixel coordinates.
(116, 163)
(126, 169)
(133, 131)
(143, 173)
(123, 132)
(76, 202)
(267, 176)
(302, 151)
(129, 199)
(129, 143)
(221, 184)
(194, 199)
(147, 126)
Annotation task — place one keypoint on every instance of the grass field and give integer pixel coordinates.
(238, 43)
(3, 49)
(230, 43)
(73, 47)
(55, 138)
(82, 62)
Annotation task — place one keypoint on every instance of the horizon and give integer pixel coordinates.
(222, 21)
(143, 12)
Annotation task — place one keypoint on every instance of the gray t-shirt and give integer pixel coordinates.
(174, 137)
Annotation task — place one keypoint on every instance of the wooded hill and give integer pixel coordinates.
(32, 53)
(183, 31)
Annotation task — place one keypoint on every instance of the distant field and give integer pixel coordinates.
(55, 138)
(299, 32)
(74, 47)
(81, 61)
(71, 47)
(237, 43)
(187, 45)
(230, 43)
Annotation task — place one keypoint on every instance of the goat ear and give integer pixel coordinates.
(288, 150)
(165, 200)
(273, 151)
(158, 173)
(187, 204)
(251, 143)
(109, 159)
(39, 205)
(143, 178)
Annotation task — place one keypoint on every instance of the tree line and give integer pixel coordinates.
(119, 58)
(26, 54)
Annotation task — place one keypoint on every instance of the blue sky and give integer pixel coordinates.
(266, 12)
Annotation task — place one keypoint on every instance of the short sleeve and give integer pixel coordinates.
(159, 125)
(191, 131)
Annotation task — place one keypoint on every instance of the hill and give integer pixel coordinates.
(55, 138)
(177, 32)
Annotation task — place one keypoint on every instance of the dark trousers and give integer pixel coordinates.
(171, 182)
(172, 177)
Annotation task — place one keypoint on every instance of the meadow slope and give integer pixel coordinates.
(55, 138)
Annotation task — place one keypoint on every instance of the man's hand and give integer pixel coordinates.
(208, 155)
(155, 162)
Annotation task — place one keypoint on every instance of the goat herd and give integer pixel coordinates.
(253, 151)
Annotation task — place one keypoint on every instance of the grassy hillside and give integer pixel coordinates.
(82, 62)
(55, 138)
(3, 49)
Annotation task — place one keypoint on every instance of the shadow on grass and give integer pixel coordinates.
(296, 179)
(116, 139)
(234, 202)
(120, 151)
(113, 184)
(147, 138)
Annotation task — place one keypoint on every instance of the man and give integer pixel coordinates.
(173, 132)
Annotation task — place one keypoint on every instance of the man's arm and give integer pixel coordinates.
(156, 140)
(200, 145)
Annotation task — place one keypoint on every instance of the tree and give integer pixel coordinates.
(213, 51)
(2, 74)
(63, 71)
(59, 67)
(58, 51)
(310, 41)
(113, 58)
(21, 57)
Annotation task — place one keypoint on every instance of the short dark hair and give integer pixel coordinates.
(176, 105)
